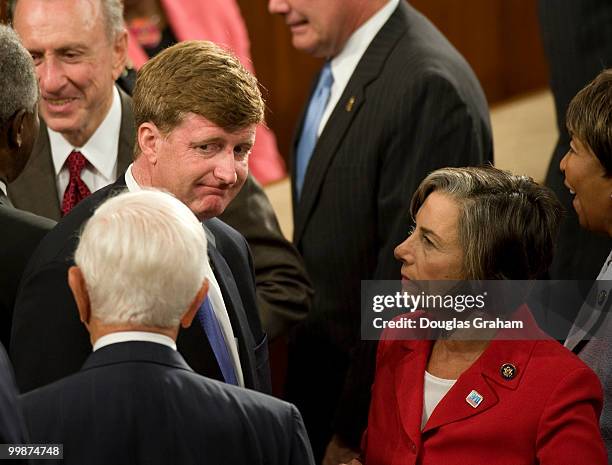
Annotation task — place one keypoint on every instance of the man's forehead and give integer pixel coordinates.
(198, 125)
(58, 16)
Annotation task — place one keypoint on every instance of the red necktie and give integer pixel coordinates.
(76, 190)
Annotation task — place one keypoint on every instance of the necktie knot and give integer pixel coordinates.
(76, 162)
(76, 190)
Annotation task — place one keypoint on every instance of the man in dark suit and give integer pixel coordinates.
(139, 401)
(79, 48)
(80, 28)
(20, 232)
(577, 39)
(193, 141)
(393, 102)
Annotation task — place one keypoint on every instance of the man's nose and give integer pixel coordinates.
(278, 7)
(51, 76)
(225, 169)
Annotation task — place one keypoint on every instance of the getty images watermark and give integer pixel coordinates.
(476, 309)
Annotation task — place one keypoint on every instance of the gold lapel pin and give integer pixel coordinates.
(350, 103)
(508, 371)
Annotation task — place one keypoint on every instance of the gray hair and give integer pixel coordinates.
(507, 223)
(113, 16)
(143, 257)
(18, 83)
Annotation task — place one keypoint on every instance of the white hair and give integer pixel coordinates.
(143, 257)
(18, 84)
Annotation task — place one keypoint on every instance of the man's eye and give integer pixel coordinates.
(37, 58)
(241, 151)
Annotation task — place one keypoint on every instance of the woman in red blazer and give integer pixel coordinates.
(456, 400)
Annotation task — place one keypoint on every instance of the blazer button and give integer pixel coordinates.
(413, 448)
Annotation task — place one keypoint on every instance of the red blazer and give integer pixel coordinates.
(547, 414)
(219, 21)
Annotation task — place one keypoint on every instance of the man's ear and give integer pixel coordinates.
(120, 46)
(16, 128)
(76, 281)
(149, 138)
(190, 314)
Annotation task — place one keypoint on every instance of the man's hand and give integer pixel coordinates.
(337, 453)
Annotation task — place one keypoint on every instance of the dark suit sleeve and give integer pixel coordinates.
(437, 130)
(283, 288)
(48, 340)
(301, 452)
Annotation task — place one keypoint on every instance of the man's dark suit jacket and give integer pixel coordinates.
(411, 106)
(12, 424)
(140, 403)
(20, 233)
(48, 341)
(283, 288)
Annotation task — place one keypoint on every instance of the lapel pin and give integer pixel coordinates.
(349, 104)
(508, 371)
(474, 398)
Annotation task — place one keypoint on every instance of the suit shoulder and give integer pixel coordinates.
(17, 220)
(62, 239)
(224, 234)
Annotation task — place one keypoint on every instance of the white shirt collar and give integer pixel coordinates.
(130, 182)
(343, 65)
(126, 336)
(3, 188)
(606, 270)
(101, 148)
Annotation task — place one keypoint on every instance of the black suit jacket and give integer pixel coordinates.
(412, 105)
(35, 190)
(12, 424)
(48, 341)
(140, 403)
(20, 233)
(577, 39)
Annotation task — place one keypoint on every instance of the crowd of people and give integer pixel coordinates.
(144, 272)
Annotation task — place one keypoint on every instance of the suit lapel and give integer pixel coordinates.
(353, 98)
(409, 387)
(125, 148)
(484, 377)
(37, 192)
(235, 310)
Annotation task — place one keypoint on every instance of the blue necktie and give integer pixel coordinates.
(308, 137)
(211, 327)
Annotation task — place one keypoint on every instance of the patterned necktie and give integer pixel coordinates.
(213, 332)
(308, 137)
(76, 190)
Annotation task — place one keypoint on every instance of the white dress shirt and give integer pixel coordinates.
(215, 296)
(100, 151)
(343, 65)
(127, 336)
